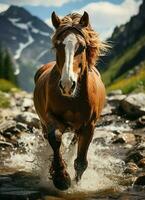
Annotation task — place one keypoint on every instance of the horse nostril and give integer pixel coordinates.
(73, 85)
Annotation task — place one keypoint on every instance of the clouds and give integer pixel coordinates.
(36, 2)
(104, 16)
(3, 7)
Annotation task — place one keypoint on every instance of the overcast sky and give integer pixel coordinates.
(104, 14)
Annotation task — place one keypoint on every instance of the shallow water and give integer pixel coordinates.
(25, 173)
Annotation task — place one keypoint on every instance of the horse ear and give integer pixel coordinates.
(84, 21)
(55, 20)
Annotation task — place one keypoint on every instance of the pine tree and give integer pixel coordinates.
(7, 66)
(1, 63)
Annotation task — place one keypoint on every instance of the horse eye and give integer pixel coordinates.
(59, 45)
(79, 49)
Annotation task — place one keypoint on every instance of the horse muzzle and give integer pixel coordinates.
(67, 88)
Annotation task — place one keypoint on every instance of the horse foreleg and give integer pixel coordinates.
(84, 139)
(60, 177)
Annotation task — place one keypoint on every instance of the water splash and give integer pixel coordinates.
(103, 165)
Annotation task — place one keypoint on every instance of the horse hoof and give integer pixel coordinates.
(62, 181)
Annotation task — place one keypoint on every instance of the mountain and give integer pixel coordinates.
(29, 40)
(127, 57)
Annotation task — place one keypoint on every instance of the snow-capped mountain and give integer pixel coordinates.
(29, 40)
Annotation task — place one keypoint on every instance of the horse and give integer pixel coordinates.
(69, 92)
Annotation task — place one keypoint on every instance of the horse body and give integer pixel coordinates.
(69, 92)
(73, 112)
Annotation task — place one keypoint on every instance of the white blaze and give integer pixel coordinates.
(68, 76)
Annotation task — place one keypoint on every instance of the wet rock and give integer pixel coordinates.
(124, 138)
(141, 146)
(140, 180)
(4, 143)
(141, 122)
(131, 168)
(107, 110)
(100, 140)
(141, 163)
(135, 156)
(7, 126)
(28, 118)
(2, 138)
(134, 105)
(21, 126)
(116, 99)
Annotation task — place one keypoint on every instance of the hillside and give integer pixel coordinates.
(125, 68)
(28, 39)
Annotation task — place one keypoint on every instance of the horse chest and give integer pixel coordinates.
(72, 117)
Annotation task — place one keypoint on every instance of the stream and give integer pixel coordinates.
(25, 158)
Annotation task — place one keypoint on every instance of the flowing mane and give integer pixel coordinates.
(95, 47)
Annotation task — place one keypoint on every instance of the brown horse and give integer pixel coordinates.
(70, 92)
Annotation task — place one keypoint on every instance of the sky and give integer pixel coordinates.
(104, 15)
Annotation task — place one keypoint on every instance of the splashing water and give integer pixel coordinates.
(38, 155)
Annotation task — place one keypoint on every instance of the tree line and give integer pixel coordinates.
(7, 66)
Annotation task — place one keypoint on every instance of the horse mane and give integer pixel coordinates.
(95, 47)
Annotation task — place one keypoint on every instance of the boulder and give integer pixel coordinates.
(135, 156)
(7, 126)
(134, 105)
(141, 121)
(26, 104)
(124, 138)
(131, 168)
(107, 110)
(140, 180)
(31, 119)
(141, 163)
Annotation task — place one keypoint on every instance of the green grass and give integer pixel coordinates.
(134, 83)
(116, 63)
(4, 100)
(7, 86)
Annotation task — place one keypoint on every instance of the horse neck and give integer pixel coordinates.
(84, 81)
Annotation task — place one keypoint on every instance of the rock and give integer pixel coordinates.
(21, 126)
(3, 144)
(107, 110)
(141, 163)
(141, 146)
(141, 121)
(134, 105)
(124, 138)
(28, 118)
(131, 168)
(2, 138)
(116, 99)
(140, 180)
(26, 104)
(7, 126)
(135, 156)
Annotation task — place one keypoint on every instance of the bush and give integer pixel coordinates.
(134, 83)
(4, 100)
(7, 86)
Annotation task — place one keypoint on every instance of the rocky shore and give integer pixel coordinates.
(121, 129)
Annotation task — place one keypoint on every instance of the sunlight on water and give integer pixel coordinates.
(102, 163)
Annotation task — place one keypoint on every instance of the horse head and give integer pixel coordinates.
(71, 48)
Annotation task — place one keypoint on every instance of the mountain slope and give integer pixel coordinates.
(29, 40)
(128, 52)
